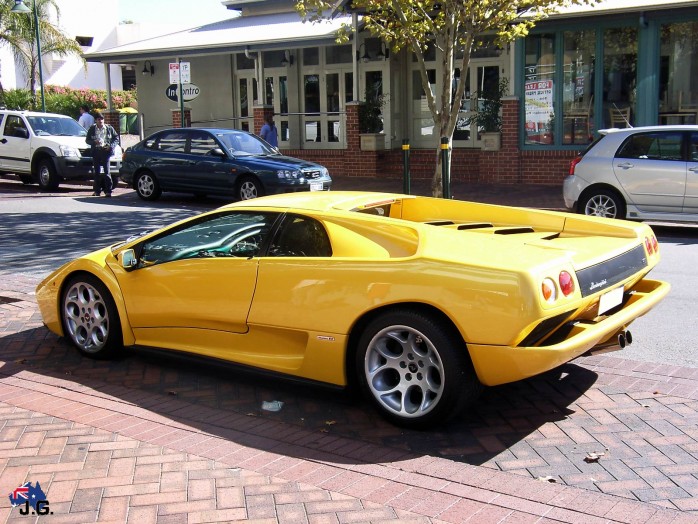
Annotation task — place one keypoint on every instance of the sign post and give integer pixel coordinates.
(180, 73)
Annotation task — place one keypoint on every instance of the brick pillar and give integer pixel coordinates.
(352, 118)
(177, 117)
(112, 118)
(509, 155)
(260, 114)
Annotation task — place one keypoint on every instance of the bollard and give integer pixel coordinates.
(445, 168)
(406, 166)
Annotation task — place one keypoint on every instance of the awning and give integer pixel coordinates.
(262, 32)
(606, 7)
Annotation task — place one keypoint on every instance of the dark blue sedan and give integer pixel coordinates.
(224, 162)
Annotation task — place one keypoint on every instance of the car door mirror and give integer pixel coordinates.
(21, 132)
(128, 259)
(218, 152)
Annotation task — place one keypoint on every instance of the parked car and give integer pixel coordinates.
(224, 162)
(417, 300)
(46, 148)
(641, 173)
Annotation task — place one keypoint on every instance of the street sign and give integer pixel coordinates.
(191, 91)
(185, 72)
(174, 73)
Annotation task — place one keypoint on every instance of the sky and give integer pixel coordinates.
(185, 13)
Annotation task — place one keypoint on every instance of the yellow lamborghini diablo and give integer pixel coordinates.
(420, 300)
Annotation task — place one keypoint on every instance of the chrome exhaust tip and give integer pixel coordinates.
(621, 340)
(628, 338)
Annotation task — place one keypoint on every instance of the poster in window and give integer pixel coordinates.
(539, 111)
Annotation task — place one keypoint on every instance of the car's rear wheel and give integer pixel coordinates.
(415, 368)
(90, 318)
(602, 203)
(46, 175)
(249, 187)
(147, 186)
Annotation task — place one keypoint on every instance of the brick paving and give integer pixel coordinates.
(152, 439)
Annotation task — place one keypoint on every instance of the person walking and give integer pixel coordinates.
(103, 139)
(269, 133)
(86, 119)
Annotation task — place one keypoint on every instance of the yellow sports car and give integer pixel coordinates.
(419, 301)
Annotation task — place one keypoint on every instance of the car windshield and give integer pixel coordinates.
(55, 125)
(245, 144)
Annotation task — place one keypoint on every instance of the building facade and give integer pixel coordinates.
(579, 71)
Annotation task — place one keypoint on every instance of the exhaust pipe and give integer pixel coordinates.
(623, 339)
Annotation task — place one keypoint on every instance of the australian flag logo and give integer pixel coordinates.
(27, 492)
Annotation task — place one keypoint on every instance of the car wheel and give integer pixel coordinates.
(415, 369)
(48, 179)
(147, 186)
(26, 179)
(602, 203)
(90, 318)
(249, 187)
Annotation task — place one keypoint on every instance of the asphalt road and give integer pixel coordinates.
(41, 231)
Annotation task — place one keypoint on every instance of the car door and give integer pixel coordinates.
(169, 160)
(690, 203)
(15, 145)
(194, 284)
(213, 172)
(651, 168)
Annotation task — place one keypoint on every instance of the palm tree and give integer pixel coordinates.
(17, 30)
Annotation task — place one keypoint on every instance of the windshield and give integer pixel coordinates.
(245, 144)
(55, 125)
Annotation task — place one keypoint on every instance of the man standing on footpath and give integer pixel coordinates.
(86, 119)
(103, 139)
(269, 133)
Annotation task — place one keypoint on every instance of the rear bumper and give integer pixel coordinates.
(501, 364)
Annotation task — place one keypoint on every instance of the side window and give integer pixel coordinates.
(173, 142)
(693, 148)
(301, 237)
(13, 124)
(653, 146)
(231, 235)
(202, 143)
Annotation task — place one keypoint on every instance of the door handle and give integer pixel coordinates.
(626, 165)
(693, 169)
(3, 141)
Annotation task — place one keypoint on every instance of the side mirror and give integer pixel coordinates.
(129, 260)
(21, 132)
(218, 152)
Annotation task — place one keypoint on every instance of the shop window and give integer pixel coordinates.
(678, 82)
(243, 62)
(311, 56)
(338, 54)
(578, 86)
(619, 76)
(539, 112)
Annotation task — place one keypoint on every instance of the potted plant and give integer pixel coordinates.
(488, 116)
(371, 120)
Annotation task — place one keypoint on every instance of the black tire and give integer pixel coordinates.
(46, 175)
(601, 202)
(147, 186)
(90, 318)
(415, 369)
(249, 187)
(26, 179)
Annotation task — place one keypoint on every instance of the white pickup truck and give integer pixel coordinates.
(46, 148)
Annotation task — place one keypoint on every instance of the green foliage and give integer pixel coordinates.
(488, 114)
(67, 101)
(370, 111)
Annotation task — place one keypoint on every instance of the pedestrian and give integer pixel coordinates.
(86, 119)
(103, 139)
(269, 132)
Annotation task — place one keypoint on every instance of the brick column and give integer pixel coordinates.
(352, 119)
(509, 155)
(177, 117)
(112, 118)
(260, 114)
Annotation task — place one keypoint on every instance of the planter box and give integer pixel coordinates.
(372, 141)
(491, 141)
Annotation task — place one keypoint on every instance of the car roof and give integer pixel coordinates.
(33, 113)
(321, 200)
(629, 130)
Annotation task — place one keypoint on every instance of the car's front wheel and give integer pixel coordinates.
(90, 318)
(602, 203)
(249, 187)
(415, 368)
(147, 186)
(46, 175)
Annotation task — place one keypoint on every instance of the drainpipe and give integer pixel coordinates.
(354, 50)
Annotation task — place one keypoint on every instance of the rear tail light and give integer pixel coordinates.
(548, 290)
(574, 163)
(566, 283)
(655, 244)
(648, 245)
